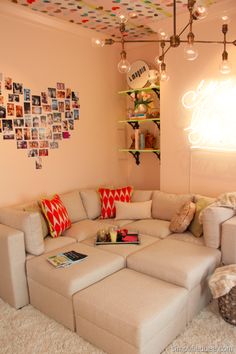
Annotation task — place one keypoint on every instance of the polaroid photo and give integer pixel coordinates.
(27, 133)
(42, 134)
(51, 92)
(19, 133)
(56, 128)
(43, 121)
(19, 111)
(28, 121)
(2, 112)
(54, 145)
(50, 119)
(33, 144)
(36, 100)
(61, 94)
(8, 83)
(43, 152)
(60, 86)
(36, 110)
(68, 93)
(65, 125)
(27, 108)
(17, 88)
(68, 114)
(54, 105)
(65, 135)
(21, 144)
(76, 114)
(7, 125)
(57, 136)
(18, 122)
(35, 122)
(47, 108)
(27, 93)
(8, 136)
(10, 109)
(33, 153)
(38, 163)
(34, 133)
(56, 117)
(44, 97)
(10, 97)
(61, 106)
(71, 124)
(48, 133)
(16, 98)
(67, 105)
(43, 144)
(75, 96)
(75, 104)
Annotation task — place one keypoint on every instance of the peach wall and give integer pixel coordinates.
(39, 54)
(182, 169)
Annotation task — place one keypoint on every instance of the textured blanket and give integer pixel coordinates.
(222, 280)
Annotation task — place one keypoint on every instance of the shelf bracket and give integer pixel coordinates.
(158, 154)
(158, 124)
(134, 125)
(136, 155)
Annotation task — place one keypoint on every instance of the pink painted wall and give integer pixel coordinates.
(39, 54)
(182, 169)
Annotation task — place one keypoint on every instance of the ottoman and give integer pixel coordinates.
(51, 289)
(129, 312)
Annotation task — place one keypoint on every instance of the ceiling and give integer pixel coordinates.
(100, 15)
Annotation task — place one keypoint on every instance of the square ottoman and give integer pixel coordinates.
(51, 289)
(129, 312)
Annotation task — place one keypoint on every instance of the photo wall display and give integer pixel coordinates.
(37, 121)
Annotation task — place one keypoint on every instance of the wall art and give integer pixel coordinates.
(37, 121)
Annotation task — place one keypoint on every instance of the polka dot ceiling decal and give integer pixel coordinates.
(94, 14)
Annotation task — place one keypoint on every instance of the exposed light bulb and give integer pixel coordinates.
(190, 52)
(164, 76)
(225, 18)
(123, 66)
(162, 34)
(123, 17)
(158, 60)
(225, 67)
(97, 42)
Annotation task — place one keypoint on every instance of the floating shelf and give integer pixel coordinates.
(136, 153)
(135, 122)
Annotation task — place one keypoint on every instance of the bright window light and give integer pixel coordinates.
(213, 121)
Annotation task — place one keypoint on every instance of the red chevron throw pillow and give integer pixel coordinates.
(56, 215)
(109, 196)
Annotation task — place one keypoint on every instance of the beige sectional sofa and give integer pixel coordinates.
(122, 298)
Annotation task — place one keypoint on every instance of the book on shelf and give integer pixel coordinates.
(66, 259)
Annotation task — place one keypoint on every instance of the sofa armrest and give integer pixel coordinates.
(13, 284)
(212, 218)
(228, 241)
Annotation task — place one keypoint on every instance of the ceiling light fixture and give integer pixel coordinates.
(196, 12)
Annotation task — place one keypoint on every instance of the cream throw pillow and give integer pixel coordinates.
(133, 211)
(183, 217)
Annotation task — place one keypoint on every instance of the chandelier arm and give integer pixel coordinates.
(174, 17)
(184, 29)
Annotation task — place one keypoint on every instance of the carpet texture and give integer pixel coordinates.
(27, 331)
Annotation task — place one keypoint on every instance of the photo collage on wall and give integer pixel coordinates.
(38, 122)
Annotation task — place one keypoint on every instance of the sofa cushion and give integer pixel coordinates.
(141, 195)
(120, 223)
(152, 227)
(130, 306)
(35, 207)
(133, 210)
(52, 244)
(74, 206)
(187, 237)
(85, 228)
(165, 205)
(109, 196)
(29, 223)
(177, 262)
(182, 218)
(212, 218)
(123, 250)
(196, 227)
(91, 202)
(56, 215)
(67, 281)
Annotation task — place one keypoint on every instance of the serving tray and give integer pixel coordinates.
(129, 239)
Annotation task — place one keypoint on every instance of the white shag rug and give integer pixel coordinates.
(27, 331)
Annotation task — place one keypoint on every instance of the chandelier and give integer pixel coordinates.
(196, 12)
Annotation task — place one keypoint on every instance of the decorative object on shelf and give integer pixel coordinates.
(37, 121)
(153, 76)
(196, 12)
(150, 141)
(141, 101)
(153, 113)
(138, 75)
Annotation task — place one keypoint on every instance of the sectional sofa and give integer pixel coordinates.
(122, 298)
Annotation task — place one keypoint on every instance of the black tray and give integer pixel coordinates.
(125, 242)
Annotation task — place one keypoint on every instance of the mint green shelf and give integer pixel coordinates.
(154, 88)
(139, 150)
(140, 120)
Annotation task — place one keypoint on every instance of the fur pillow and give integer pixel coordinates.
(183, 217)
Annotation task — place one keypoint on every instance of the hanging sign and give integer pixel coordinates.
(138, 75)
